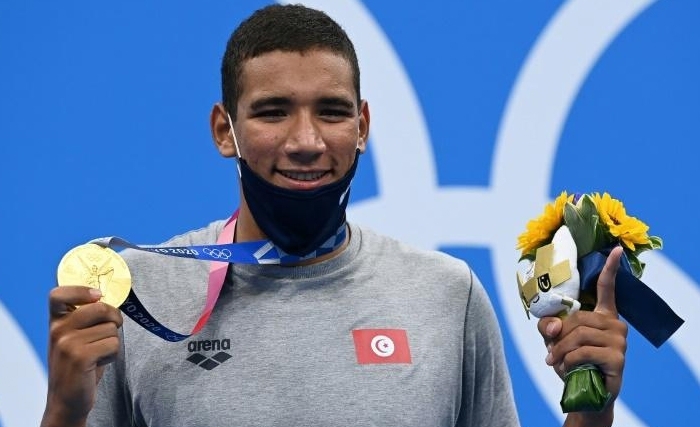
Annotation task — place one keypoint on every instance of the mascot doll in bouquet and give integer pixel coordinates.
(550, 287)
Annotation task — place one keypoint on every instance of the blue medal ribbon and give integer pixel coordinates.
(257, 252)
(636, 302)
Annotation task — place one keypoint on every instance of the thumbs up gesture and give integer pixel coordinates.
(595, 337)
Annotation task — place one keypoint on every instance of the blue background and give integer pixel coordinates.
(104, 125)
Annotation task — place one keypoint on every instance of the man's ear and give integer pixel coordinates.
(363, 131)
(221, 131)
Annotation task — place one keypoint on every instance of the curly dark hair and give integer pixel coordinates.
(289, 28)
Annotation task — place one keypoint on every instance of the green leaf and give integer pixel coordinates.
(584, 390)
(603, 238)
(587, 206)
(656, 242)
(582, 229)
(635, 263)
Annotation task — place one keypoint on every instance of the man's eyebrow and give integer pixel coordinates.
(337, 101)
(271, 101)
(281, 101)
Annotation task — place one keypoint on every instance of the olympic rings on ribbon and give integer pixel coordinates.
(216, 253)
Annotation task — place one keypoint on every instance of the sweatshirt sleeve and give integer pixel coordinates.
(487, 393)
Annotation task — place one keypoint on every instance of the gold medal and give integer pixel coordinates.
(96, 267)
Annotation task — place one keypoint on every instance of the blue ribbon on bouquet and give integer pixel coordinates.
(636, 302)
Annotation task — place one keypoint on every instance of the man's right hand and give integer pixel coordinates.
(81, 341)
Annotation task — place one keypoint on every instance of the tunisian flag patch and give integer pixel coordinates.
(381, 346)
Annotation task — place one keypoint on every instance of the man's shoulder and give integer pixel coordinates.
(199, 236)
(387, 246)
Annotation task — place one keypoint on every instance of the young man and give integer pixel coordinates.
(353, 328)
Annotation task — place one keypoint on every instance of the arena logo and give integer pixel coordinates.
(208, 362)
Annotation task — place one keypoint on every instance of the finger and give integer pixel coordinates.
(610, 362)
(549, 328)
(63, 299)
(98, 332)
(103, 342)
(606, 284)
(589, 319)
(105, 349)
(613, 339)
(108, 349)
(87, 356)
(92, 314)
(77, 339)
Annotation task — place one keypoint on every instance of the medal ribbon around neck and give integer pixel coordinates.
(221, 255)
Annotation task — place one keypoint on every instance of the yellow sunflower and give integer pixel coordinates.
(628, 229)
(540, 230)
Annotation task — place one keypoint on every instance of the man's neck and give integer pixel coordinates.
(247, 230)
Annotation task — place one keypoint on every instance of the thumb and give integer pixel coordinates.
(606, 284)
(64, 299)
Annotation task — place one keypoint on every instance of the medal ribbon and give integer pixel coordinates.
(220, 255)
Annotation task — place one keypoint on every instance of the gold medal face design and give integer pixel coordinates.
(96, 267)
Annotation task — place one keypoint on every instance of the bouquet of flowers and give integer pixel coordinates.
(595, 221)
(564, 250)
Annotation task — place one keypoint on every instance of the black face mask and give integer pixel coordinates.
(297, 221)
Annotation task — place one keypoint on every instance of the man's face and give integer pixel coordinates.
(298, 121)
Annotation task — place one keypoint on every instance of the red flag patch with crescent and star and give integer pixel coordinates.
(381, 346)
